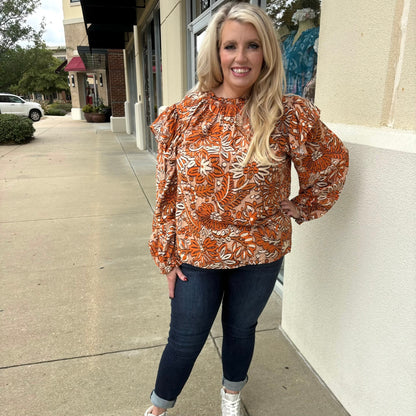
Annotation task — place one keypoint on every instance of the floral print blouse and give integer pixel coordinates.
(211, 211)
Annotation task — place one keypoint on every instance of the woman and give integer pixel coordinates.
(222, 222)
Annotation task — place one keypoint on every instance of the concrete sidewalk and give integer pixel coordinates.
(84, 312)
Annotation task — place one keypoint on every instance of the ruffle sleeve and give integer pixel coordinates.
(162, 242)
(320, 158)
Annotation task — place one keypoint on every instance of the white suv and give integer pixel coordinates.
(12, 104)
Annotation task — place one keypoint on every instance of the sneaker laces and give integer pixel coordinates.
(230, 407)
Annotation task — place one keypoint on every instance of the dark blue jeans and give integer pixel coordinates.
(244, 293)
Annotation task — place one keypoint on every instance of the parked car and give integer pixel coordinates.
(12, 104)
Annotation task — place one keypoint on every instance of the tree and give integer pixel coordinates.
(276, 9)
(24, 71)
(12, 66)
(281, 11)
(40, 76)
(13, 25)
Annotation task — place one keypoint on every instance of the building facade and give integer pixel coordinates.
(95, 75)
(350, 282)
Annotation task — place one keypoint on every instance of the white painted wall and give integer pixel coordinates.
(349, 302)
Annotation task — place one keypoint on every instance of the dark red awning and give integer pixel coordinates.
(75, 65)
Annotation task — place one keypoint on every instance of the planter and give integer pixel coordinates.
(95, 117)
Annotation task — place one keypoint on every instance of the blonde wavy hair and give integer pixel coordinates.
(264, 107)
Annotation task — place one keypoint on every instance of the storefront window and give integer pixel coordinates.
(200, 6)
(204, 5)
(297, 23)
(132, 85)
(152, 70)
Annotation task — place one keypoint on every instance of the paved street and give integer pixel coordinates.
(84, 312)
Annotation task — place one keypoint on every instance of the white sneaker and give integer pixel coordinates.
(230, 404)
(148, 412)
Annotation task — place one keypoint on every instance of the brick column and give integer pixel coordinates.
(116, 82)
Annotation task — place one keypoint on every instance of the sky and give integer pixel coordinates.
(51, 10)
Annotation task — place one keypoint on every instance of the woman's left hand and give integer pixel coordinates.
(289, 208)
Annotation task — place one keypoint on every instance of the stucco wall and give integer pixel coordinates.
(71, 10)
(366, 62)
(173, 34)
(350, 282)
(75, 35)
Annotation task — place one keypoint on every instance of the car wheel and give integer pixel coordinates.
(35, 115)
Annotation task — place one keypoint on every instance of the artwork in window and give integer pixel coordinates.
(204, 5)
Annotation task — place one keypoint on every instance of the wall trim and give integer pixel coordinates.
(118, 124)
(378, 137)
(73, 21)
(77, 114)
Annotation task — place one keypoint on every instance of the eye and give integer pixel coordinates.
(253, 45)
(229, 47)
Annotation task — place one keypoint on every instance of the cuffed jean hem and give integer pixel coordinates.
(234, 385)
(162, 403)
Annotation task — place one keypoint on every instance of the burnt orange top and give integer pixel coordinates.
(213, 213)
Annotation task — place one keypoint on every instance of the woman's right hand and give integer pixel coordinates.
(171, 276)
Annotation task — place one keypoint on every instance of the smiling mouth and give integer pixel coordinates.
(240, 70)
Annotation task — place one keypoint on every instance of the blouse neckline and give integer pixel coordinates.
(224, 100)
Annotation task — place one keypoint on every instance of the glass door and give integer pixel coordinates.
(152, 79)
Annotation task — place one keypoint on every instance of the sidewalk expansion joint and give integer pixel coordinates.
(12, 150)
(110, 215)
(81, 357)
(134, 172)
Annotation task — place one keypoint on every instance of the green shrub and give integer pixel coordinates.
(99, 108)
(15, 129)
(88, 108)
(60, 106)
(55, 112)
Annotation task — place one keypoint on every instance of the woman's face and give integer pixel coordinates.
(241, 58)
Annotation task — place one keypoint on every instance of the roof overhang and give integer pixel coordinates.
(93, 58)
(108, 22)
